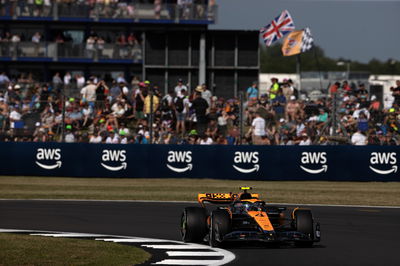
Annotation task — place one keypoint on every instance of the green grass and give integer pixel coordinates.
(34, 250)
(321, 192)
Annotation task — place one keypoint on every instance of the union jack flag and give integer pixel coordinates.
(279, 27)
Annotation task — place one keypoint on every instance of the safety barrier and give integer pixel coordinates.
(339, 163)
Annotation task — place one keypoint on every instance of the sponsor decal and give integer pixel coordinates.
(182, 157)
(308, 158)
(386, 159)
(118, 156)
(246, 158)
(48, 155)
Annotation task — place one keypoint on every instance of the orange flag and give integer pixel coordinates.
(292, 43)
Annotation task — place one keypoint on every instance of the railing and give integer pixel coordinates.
(70, 50)
(113, 11)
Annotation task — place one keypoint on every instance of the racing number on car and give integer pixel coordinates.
(216, 195)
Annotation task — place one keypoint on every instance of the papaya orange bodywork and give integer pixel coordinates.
(262, 219)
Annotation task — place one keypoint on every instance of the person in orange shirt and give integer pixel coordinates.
(334, 88)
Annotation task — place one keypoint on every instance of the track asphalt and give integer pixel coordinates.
(350, 235)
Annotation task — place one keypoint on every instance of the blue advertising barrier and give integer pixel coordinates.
(339, 163)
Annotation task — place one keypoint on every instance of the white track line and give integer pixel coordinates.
(133, 240)
(186, 262)
(67, 235)
(193, 253)
(227, 255)
(187, 246)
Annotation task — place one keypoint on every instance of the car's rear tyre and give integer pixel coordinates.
(304, 224)
(193, 224)
(220, 225)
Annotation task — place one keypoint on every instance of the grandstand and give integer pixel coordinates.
(113, 72)
(160, 41)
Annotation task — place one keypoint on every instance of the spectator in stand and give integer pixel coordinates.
(36, 39)
(206, 94)
(200, 106)
(90, 46)
(147, 104)
(287, 89)
(358, 138)
(101, 93)
(362, 92)
(252, 93)
(182, 106)
(122, 51)
(80, 81)
(57, 82)
(67, 79)
(89, 93)
(334, 88)
(258, 129)
(179, 87)
(292, 109)
(278, 104)
(396, 92)
(4, 80)
(273, 90)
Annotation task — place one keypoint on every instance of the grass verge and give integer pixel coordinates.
(21, 250)
(321, 192)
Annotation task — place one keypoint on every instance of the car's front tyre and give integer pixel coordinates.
(193, 224)
(220, 225)
(304, 224)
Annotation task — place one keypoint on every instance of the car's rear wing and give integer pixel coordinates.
(220, 198)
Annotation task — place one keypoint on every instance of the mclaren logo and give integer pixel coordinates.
(181, 157)
(53, 155)
(246, 158)
(314, 158)
(118, 156)
(383, 158)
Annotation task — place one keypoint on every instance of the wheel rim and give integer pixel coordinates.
(183, 225)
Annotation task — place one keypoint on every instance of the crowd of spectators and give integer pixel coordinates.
(138, 112)
(95, 46)
(166, 9)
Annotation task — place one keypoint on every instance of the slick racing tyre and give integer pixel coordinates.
(193, 224)
(220, 225)
(304, 224)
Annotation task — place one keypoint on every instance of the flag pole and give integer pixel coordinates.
(298, 71)
(318, 66)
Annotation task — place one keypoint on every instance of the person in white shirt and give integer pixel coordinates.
(305, 141)
(205, 140)
(112, 138)
(258, 129)
(80, 81)
(358, 139)
(179, 87)
(67, 78)
(14, 117)
(207, 95)
(96, 138)
(89, 93)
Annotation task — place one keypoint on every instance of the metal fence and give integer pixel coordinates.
(71, 50)
(118, 10)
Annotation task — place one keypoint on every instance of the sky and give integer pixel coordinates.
(354, 30)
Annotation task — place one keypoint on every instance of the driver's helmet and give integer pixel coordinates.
(247, 205)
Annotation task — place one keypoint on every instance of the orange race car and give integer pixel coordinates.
(246, 218)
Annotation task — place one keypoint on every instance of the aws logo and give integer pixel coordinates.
(385, 158)
(314, 158)
(114, 156)
(246, 158)
(49, 155)
(181, 157)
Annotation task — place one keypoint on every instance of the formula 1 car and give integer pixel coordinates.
(246, 218)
